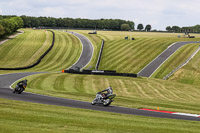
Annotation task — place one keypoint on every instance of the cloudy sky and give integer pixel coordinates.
(158, 13)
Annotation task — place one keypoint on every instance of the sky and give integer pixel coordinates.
(158, 13)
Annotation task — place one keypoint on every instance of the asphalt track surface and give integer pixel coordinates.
(87, 51)
(159, 60)
(5, 92)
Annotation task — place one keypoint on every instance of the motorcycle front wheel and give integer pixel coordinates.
(93, 102)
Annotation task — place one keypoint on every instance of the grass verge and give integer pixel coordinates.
(17, 116)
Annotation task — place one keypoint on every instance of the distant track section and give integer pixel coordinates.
(86, 54)
(159, 60)
(38, 61)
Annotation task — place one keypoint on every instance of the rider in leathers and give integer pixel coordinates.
(101, 95)
(22, 84)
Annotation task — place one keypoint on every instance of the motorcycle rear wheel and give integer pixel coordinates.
(107, 102)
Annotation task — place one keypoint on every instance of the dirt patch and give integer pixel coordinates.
(10, 37)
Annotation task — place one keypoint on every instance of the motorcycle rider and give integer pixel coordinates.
(22, 84)
(109, 91)
(101, 95)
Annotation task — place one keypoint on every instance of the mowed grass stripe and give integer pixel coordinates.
(37, 82)
(17, 52)
(51, 59)
(126, 57)
(33, 44)
(120, 49)
(48, 59)
(61, 53)
(114, 54)
(108, 54)
(65, 53)
(143, 56)
(147, 54)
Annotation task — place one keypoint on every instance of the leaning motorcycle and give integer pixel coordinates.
(106, 101)
(19, 89)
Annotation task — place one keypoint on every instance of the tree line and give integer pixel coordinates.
(191, 29)
(10, 24)
(111, 24)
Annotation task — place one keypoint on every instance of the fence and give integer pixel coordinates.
(103, 72)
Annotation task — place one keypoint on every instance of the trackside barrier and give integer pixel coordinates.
(99, 72)
(38, 61)
(100, 54)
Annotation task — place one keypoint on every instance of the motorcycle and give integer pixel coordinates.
(106, 101)
(19, 89)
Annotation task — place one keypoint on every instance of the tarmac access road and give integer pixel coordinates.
(148, 70)
(6, 92)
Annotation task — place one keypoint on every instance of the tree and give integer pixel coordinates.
(140, 27)
(125, 27)
(168, 28)
(131, 24)
(35, 22)
(26, 21)
(148, 27)
(175, 28)
(2, 32)
(7, 26)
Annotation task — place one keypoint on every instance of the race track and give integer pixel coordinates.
(5, 92)
(87, 51)
(159, 60)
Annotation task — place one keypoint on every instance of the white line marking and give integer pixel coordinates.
(185, 114)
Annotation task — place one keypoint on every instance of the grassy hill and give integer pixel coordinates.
(66, 51)
(189, 74)
(25, 49)
(130, 55)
